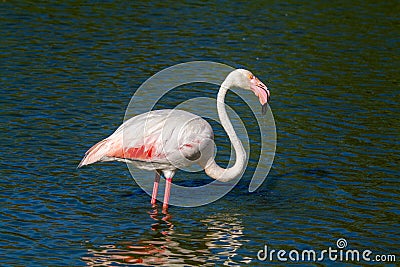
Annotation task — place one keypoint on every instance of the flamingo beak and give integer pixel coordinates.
(260, 90)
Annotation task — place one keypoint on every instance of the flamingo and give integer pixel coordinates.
(170, 139)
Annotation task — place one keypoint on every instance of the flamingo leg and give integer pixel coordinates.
(167, 193)
(155, 189)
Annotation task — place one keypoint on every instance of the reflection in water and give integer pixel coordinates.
(224, 238)
(219, 240)
(154, 252)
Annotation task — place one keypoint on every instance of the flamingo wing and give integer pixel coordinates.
(161, 138)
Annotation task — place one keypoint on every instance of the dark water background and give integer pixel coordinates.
(68, 70)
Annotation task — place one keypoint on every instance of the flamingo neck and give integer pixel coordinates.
(213, 169)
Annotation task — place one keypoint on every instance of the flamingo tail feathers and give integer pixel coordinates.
(98, 152)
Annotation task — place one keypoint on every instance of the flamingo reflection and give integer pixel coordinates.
(147, 252)
(218, 239)
(155, 215)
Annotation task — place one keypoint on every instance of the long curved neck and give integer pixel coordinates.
(212, 169)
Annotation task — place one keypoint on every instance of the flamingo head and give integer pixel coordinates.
(245, 79)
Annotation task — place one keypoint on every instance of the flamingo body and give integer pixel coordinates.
(158, 140)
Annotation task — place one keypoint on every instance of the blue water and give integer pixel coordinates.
(68, 71)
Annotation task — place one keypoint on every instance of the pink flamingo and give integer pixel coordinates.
(167, 140)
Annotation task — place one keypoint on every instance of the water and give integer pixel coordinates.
(68, 72)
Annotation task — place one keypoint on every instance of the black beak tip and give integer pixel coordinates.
(264, 108)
